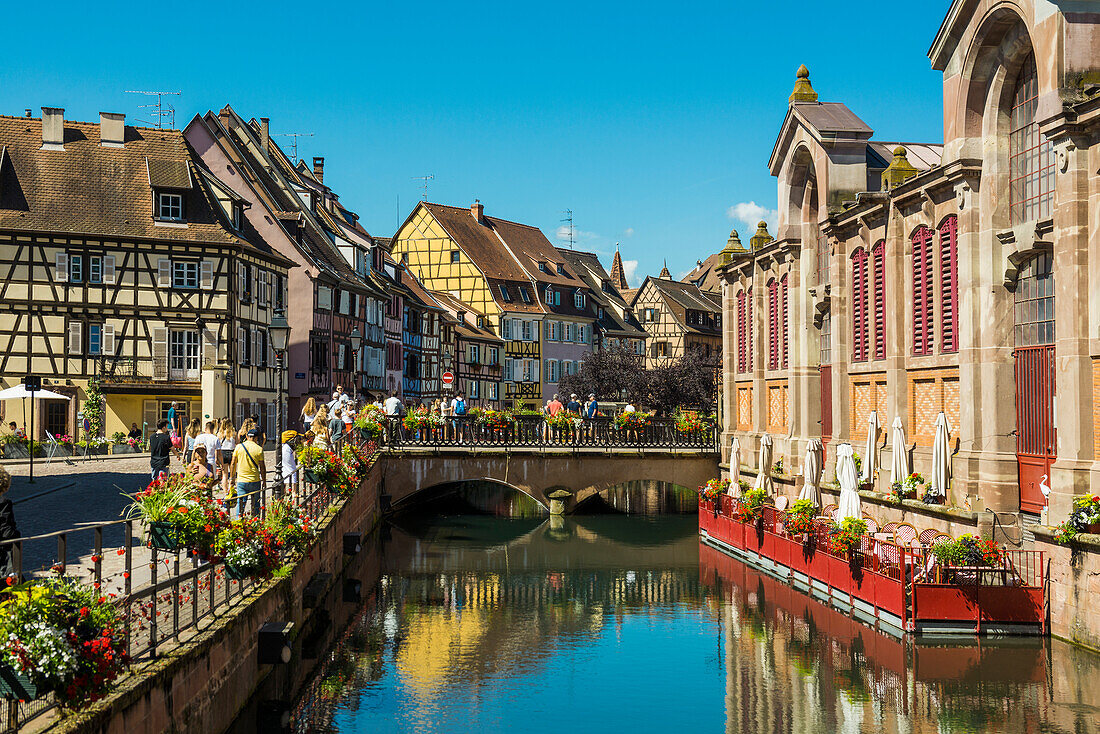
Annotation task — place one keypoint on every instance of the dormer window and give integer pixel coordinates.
(481, 322)
(525, 294)
(561, 269)
(505, 294)
(169, 206)
(237, 217)
(550, 296)
(543, 268)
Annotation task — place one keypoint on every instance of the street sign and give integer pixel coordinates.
(32, 383)
(299, 375)
(448, 378)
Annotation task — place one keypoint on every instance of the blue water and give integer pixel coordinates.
(626, 624)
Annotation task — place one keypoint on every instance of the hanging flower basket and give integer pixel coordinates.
(16, 685)
(235, 574)
(311, 476)
(165, 536)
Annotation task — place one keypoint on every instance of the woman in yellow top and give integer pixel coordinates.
(248, 469)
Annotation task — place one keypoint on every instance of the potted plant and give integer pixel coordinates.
(496, 420)
(370, 422)
(1085, 518)
(691, 423)
(249, 549)
(315, 463)
(800, 518)
(847, 538)
(750, 508)
(968, 551)
(60, 636)
(714, 489)
(632, 420)
(290, 527)
(178, 513)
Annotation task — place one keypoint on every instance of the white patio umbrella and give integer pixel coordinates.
(846, 476)
(899, 462)
(21, 392)
(735, 468)
(764, 473)
(811, 474)
(870, 458)
(941, 457)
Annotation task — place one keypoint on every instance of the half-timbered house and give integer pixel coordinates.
(678, 317)
(476, 354)
(127, 260)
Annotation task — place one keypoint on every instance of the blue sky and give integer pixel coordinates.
(651, 121)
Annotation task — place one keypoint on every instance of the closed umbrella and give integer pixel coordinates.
(870, 459)
(764, 474)
(846, 475)
(811, 473)
(735, 468)
(899, 463)
(941, 457)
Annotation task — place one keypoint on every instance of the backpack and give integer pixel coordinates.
(460, 407)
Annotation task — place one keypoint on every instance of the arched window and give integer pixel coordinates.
(773, 324)
(923, 336)
(949, 285)
(783, 318)
(1030, 155)
(859, 305)
(878, 261)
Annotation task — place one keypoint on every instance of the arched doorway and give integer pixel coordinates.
(1036, 444)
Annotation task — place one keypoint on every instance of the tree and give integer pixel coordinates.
(606, 374)
(686, 382)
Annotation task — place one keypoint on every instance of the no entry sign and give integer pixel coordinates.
(448, 378)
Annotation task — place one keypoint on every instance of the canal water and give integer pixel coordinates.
(621, 621)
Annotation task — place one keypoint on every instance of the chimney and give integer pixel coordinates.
(265, 134)
(28, 111)
(112, 129)
(53, 128)
(319, 168)
(477, 210)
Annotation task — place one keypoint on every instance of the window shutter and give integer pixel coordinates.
(209, 347)
(949, 285)
(859, 305)
(109, 269)
(107, 346)
(242, 281)
(242, 351)
(206, 269)
(160, 353)
(76, 333)
(783, 318)
(256, 354)
(878, 254)
(150, 415)
(164, 272)
(535, 364)
(922, 291)
(773, 323)
(255, 281)
(61, 268)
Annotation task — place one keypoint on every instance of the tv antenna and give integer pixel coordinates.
(160, 110)
(294, 142)
(568, 221)
(425, 179)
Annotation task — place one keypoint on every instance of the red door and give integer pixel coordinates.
(826, 403)
(1036, 441)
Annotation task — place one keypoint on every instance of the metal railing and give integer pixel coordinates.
(163, 594)
(533, 431)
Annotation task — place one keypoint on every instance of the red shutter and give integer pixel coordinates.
(949, 284)
(751, 321)
(878, 255)
(741, 331)
(923, 335)
(773, 323)
(859, 305)
(783, 316)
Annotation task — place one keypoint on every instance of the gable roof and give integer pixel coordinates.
(704, 274)
(92, 189)
(615, 321)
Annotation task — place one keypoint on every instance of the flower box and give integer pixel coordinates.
(15, 451)
(311, 476)
(123, 449)
(16, 685)
(235, 574)
(164, 536)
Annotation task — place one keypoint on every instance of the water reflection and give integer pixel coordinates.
(626, 623)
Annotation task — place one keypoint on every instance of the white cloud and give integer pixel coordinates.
(750, 213)
(628, 232)
(630, 270)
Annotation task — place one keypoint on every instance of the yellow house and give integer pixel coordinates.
(473, 258)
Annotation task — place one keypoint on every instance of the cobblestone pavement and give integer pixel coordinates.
(69, 495)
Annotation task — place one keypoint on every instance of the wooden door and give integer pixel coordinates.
(1036, 439)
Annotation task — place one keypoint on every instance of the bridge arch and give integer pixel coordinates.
(424, 495)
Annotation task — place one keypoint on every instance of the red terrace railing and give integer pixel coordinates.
(908, 584)
(163, 594)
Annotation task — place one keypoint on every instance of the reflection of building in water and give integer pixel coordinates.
(793, 664)
(647, 497)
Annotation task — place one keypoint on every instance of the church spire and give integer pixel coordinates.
(618, 274)
(664, 272)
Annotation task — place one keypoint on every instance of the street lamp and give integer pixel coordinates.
(356, 345)
(278, 331)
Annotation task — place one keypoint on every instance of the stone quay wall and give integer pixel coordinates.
(1073, 587)
(203, 684)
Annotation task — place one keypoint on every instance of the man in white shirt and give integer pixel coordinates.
(290, 462)
(211, 443)
(392, 406)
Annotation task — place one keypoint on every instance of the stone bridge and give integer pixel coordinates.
(538, 472)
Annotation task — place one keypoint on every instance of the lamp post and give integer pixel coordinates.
(279, 333)
(356, 345)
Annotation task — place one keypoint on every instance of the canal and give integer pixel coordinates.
(619, 620)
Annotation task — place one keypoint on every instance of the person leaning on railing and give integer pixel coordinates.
(8, 530)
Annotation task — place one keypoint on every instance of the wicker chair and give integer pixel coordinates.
(925, 536)
(889, 527)
(940, 540)
(781, 502)
(905, 534)
(872, 524)
(827, 510)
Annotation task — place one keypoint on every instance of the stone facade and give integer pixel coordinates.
(923, 279)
